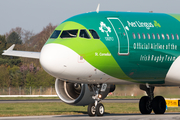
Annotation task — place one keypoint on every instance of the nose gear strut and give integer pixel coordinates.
(97, 108)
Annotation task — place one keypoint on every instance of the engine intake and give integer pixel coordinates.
(76, 94)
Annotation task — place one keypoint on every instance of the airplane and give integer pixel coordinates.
(90, 53)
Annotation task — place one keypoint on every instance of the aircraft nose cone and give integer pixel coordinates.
(53, 59)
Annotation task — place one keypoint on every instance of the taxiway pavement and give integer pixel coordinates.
(167, 116)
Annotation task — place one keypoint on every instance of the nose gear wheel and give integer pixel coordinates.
(96, 108)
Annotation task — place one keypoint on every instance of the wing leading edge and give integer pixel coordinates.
(27, 54)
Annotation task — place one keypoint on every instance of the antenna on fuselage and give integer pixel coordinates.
(97, 10)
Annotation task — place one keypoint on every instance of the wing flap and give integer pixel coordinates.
(27, 54)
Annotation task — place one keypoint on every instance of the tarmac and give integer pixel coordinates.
(167, 116)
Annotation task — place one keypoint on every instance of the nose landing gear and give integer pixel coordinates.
(97, 108)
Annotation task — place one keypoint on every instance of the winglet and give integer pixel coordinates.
(10, 48)
(97, 10)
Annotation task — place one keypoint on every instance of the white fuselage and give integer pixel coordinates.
(65, 64)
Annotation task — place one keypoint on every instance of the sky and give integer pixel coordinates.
(34, 15)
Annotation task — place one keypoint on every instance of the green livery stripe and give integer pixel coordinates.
(149, 59)
(176, 16)
(92, 50)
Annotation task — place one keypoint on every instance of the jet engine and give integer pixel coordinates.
(76, 93)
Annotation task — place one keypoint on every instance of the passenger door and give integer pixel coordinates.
(121, 34)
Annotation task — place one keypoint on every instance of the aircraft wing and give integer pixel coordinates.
(27, 54)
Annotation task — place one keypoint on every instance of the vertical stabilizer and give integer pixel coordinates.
(97, 10)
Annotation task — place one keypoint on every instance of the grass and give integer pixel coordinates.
(31, 109)
(26, 98)
(123, 97)
(108, 97)
(32, 98)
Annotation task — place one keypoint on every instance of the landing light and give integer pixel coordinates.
(100, 96)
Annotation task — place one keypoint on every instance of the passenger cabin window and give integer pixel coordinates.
(149, 37)
(134, 36)
(94, 34)
(84, 34)
(177, 36)
(55, 34)
(69, 34)
(167, 35)
(139, 36)
(144, 37)
(163, 36)
(153, 35)
(158, 36)
(172, 36)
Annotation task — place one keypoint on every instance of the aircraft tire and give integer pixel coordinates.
(145, 105)
(91, 110)
(100, 109)
(159, 105)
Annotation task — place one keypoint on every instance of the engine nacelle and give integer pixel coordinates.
(76, 94)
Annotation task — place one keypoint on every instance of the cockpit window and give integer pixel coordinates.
(55, 34)
(84, 34)
(94, 34)
(69, 34)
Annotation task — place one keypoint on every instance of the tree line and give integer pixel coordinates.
(24, 72)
